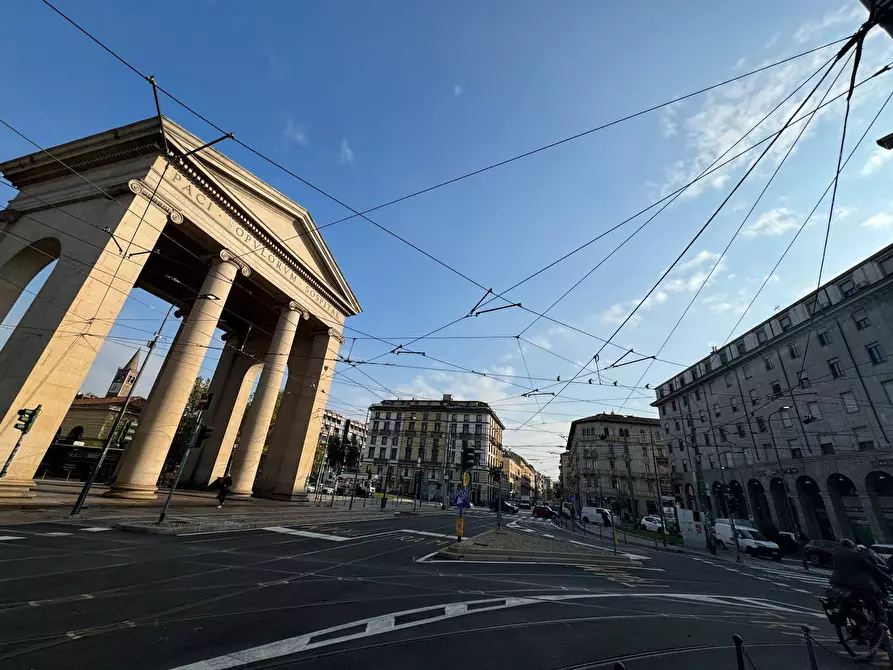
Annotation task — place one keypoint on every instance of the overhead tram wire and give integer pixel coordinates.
(680, 192)
(738, 230)
(803, 225)
(361, 214)
(694, 239)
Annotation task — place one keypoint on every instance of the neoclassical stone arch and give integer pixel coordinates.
(22, 265)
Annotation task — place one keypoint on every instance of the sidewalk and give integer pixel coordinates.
(192, 511)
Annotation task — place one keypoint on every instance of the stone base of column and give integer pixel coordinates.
(240, 495)
(297, 498)
(131, 492)
(17, 488)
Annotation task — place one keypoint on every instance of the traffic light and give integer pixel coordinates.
(129, 432)
(204, 432)
(26, 419)
(468, 459)
(496, 473)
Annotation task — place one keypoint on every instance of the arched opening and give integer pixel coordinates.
(879, 486)
(784, 509)
(22, 276)
(737, 500)
(719, 506)
(815, 514)
(848, 509)
(690, 497)
(762, 513)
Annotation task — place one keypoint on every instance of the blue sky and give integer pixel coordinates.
(371, 101)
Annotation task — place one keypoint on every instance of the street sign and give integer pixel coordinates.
(460, 499)
(460, 526)
(465, 478)
(570, 498)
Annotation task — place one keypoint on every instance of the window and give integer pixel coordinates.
(667, 428)
(375, 425)
(437, 417)
(794, 350)
(372, 440)
(776, 388)
(398, 425)
(803, 378)
(861, 319)
(422, 442)
(722, 434)
(711, 461)
(673, 405)
(770, 362)
(834, 367)
(408, 441)
(684, 466)
(681, 445)
(685, 399)
(761, 424)
(466, 418)
(701, 415)
(478, 429)
(690, 421)
(437, 427)
(767, 450)
(740, 348)
(378, 415)
(734, 403)
(394, 441)
(813, 410)
(792, 445)
(464, 427)
(479, 418)
(849, 402)
(677, 424)
(826, 445)
(425, 416)
(412, 425)
(754, 397)
(888, 389)
(785, 323)
(435, 454)
(613, 465)
(393, 453)
(723, 357)
(825, 338)
(796, 452)
(697, 394)
(748, 458)
(663, 410)
(707, 439)
(876, 353)
(728, 381)
(740, 428)
(371, 452)
(381, 453)
(399, 415)
(747, 373)
(786, 419)
(761, 336)
(717, 411)
(424, 427)
(847, 287)
(387, 416)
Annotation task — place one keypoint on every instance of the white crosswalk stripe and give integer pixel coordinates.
(4, 538)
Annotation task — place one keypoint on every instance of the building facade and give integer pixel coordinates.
(411, 439)
(790, 423)
(346, 429)
(616, 461)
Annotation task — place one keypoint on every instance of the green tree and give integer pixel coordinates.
(352, 454)
(334, 451)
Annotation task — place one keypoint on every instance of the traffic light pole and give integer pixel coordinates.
(12, 454)
(82, 497)
(197, 434)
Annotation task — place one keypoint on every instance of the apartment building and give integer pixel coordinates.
(617, 461)
(790, 423)
(425, 438)
(346, 429)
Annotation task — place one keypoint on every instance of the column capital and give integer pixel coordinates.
(227, 256)
(295, 306)
(139, 187)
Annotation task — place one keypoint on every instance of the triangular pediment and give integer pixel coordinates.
(284, 220)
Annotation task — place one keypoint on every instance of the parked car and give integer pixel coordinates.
(328, 490)
(750, 540)
(597, 515)
(820, 552)
(544, 512)
(311, 488)
(507, 507)
(651, 523)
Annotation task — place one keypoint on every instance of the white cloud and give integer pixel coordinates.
(458, 90)
(346, 155)
(850, 13)
(722, 304)
(703, 257)
(878, 159)
(295, 132)
(667, 120)
(878, 221)
(773, 223)
(689, 275)
(615, 314)
(541, 341)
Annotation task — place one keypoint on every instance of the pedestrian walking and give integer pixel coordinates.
(226, 487)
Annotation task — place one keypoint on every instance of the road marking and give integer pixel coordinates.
(56, 534)
(387, 623)
(3, 538)
(96, 529)
(308, 534)
(425, 533)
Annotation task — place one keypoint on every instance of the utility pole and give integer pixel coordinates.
(27, 417)
(660, 493)
(199, 434)
(82, 497)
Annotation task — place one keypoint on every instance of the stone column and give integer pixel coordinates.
(874, 515)
(295, 437)
(840, 526)
(145, 457)
(257, 421)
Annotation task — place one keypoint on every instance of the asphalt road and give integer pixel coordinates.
(355, 594)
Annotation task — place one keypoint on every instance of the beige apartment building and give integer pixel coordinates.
(617, 461)
(411, 439)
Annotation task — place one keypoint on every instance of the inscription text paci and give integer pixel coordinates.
(206, 203)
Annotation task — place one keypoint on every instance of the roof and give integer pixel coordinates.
(618, 418)
(136, 403)
(134, 362)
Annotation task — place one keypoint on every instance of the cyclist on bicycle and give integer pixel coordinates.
(856, 573)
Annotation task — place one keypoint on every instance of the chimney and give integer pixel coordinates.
(447, 397)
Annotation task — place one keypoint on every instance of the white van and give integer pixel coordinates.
(750, 540)
(594, 515)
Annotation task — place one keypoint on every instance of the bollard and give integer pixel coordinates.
(810, 652)
(888, 643)
(739, 651)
